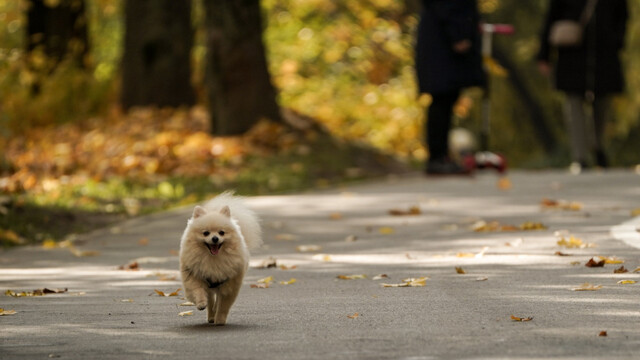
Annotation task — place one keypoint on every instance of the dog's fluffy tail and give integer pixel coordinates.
(246, 218)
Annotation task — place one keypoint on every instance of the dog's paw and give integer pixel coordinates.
(201, 305)
(211, 321)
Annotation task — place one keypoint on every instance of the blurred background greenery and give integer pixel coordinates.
(347, 65)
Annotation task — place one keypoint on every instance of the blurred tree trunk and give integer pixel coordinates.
(56, 31)
(240, 91)
(156, 64)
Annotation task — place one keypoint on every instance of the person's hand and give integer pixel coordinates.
(544, 68)
(462, 46)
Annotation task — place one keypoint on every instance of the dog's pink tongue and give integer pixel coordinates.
(214, 249)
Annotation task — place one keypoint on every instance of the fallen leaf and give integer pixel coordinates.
(626, 282)
(267, 280)
(386, 230)
(573, 242)
(587, 287)
(353, 316)
(561, 205)
(266, 264)
(460, 270)
(504, 183)
(410, 282)
(414, 210)
(335, 216)
(144, 241)
(186, 313)
(593, 263)
(37, 292)
(381, 276)
(575, 263)
(4, 312)
(636, 269)
(175, 293)
(49, 244)
(408, 256)
(83, 253)
(351, 238)
(322, 257)
(163, 277)
(260, 286)
(308, 248)
(529, 225)
(611, 260)
(286, 237)
(465, 255)
(635, 212)
(559, 253)
(53, 291)
(288, 282)
(126, 300)
(620, 270)
(515, 318)
(11, 236)
(602, 333)
(287, 267)
(352, 277)
(134, 266)
(482, 278)
(188, 303)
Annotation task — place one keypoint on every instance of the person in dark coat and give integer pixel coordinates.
(588, 73)
(448, 59)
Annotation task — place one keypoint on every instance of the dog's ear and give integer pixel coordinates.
(199, 211)
(226, 211)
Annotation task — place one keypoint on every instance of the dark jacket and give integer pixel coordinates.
(438, 67)
(595, 64)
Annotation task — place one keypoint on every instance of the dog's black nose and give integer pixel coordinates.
(214, 239)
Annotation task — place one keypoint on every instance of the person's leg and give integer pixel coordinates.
(577, 127)
(601, 107)
(439, 116)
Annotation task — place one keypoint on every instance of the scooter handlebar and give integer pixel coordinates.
(502, 29)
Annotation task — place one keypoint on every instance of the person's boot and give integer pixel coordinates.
(601, 159)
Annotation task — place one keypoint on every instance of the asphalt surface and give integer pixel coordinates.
(109, 313)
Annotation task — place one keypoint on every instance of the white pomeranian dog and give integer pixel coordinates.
(214, 255)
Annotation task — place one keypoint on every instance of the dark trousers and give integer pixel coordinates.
(439, 116)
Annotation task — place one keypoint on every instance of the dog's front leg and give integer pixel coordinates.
(195, 290)
(211, 306)
(226, 297)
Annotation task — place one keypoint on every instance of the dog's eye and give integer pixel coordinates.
(206, 233)
(221, 233)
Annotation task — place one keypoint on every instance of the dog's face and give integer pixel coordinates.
(213, 231)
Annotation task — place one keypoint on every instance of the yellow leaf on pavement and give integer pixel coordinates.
(625, 282)
(4, 312)
(186, 313)
(587, 287)
(353, 316)
(516, 318)
(611, 260)
(161, 293)
(386, 230)
(352, 277)
(460, 270)
(308, 248)
(289, 282)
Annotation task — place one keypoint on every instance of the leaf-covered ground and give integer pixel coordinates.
(74, 177)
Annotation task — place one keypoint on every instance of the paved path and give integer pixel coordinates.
(115, 314)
